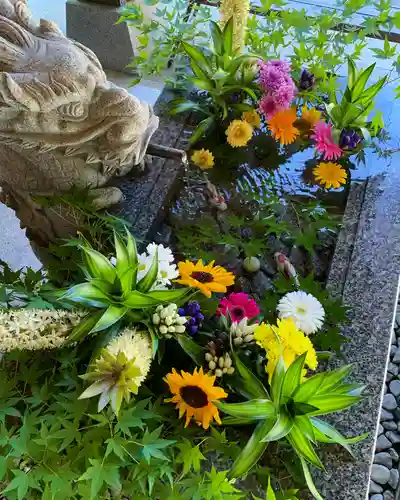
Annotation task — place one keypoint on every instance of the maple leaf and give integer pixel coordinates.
(98, 474)
(22, 482)
(190, 456)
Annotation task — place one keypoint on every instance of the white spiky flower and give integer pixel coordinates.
(119, 371)
(242, 332)
(305, 310)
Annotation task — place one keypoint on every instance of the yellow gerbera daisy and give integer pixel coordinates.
(311, 115)
(239, 133)
(252, 117)
(281, 126)
(284, 340)
(207, 278)
(203, 158)
(330, 174)
(194, 395)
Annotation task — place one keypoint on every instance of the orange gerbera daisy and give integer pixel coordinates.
(281, 126)
(207, 278)
(194, 395)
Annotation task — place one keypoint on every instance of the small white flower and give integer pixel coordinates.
(166, 271)
(307, 312)
(164, 253)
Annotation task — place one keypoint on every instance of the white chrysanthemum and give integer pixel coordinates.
(164, 253)
(166, 271)
(307, 312)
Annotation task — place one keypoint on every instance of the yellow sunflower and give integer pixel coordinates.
(194, 395)
(203, 158)
(239, 133)
(330, 174)
(281, 126)
(207, 278)
(252, 117)
(311, 115)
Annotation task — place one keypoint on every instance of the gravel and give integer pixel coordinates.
(384, 458)
(383, 443)
(394, 478)
(386, 415)
(389, 402)
(393, 436)
(390, 425)
(375, 488)
(394, 387)
(377, 496)
(380, 474)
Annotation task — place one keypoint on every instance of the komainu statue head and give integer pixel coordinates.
(62, 123)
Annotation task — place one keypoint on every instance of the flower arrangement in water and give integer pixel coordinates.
(141, 315)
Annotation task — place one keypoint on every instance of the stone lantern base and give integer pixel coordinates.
(94, 25)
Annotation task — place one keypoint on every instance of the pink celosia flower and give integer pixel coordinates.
(268, 107)
(239, 305)
(324, 142)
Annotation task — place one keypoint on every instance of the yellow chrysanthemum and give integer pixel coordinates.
(281, 126)
(239, 133)
(203, 158)
(239, 10)
(252, 117)
(194, 395)
(284, 340)
(310, 115)
(330, 174)
(207, 278)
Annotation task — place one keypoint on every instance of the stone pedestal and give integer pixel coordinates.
(94, 25)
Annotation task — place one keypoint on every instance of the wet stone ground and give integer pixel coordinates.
(385, 469)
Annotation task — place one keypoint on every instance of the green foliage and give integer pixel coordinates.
(291, 414)
(27, 288)
(115, 289)
(351, 108)
(221, 74)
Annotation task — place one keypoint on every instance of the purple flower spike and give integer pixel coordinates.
(349, 139)
(192, 311)
(307, 80)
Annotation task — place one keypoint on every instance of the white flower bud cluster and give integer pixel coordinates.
(220, 365)
(168, 321)
(242, 333)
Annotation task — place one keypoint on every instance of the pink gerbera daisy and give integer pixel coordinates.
(239, 305)
(324, 141)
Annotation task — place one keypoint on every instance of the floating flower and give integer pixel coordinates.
(119, 371)
(330, 174)
(281, 126)
(168, 321)
(203, 158)
(349, 139)
(239, 306)
(239, 133)
(242, 332)
(307, 80)
(238, 10)
(252, 117)
(207, 278)
(324, 141)
(287, 341)
(305, 310)
(194, 395)
(36, 329)
(167, 271)
(268, 106)
(311, 115)
(192, 313)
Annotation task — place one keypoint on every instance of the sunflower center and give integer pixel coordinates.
(238, 312)
(194, 396)
(202, 277)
